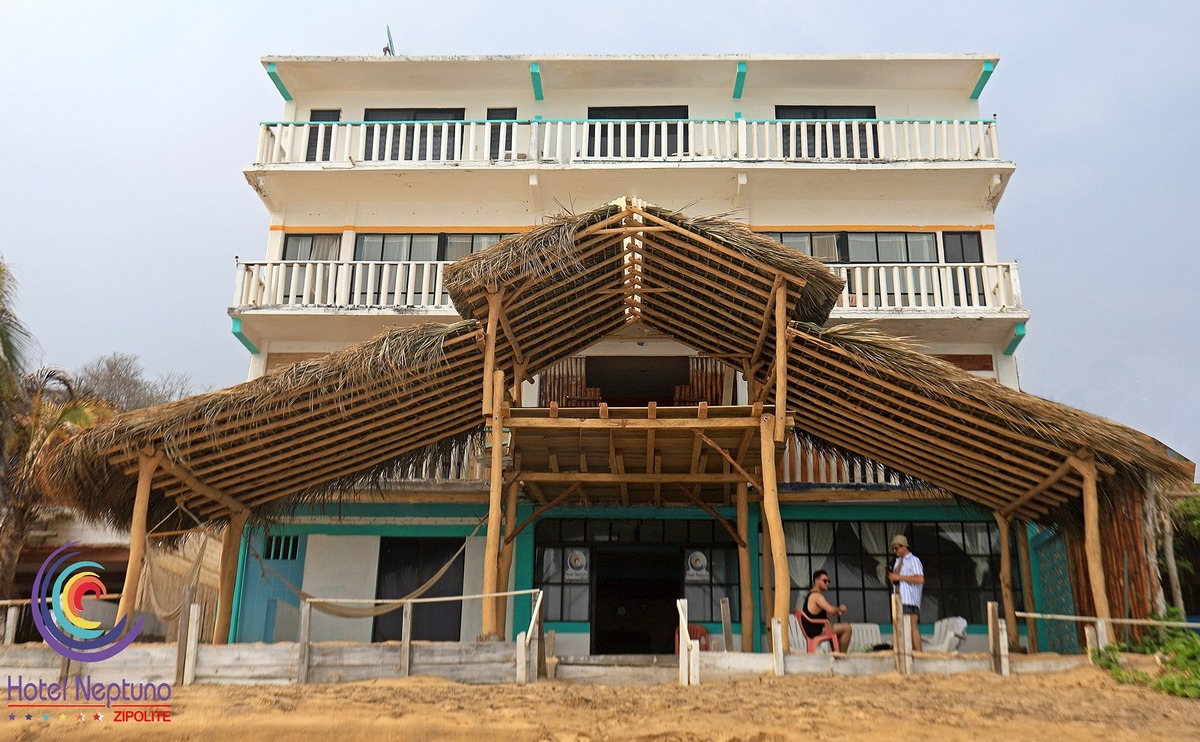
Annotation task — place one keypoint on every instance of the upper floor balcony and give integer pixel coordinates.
(432, 144)
(287, 298)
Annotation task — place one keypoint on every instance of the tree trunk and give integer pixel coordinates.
(14, 529)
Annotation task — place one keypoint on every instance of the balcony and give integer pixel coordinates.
(288, 299)
(564, 142)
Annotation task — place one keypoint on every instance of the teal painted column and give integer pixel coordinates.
(523, 568)
(235, 616)
(754, 547)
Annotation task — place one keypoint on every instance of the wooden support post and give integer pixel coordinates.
(767, 573)
(230, 545)
(726, 626)
(489, 355)
(305, 640)
(743, 514)
(1006, 590)
(901, 637)
(783, 581)
(1168, 532)
(781, 361)
(182, 638)
(406, 640)
(193, 645)
(147, 464)
(506, 553)
(1091, 540)
(491, 556)
(1025, 560)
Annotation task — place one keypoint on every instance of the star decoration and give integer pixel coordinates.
(81, 717)
(62, 717)
(12, 717)
(45, 717)
(28, 717)
(98, 717)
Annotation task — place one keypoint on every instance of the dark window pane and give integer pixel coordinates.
(320, 137)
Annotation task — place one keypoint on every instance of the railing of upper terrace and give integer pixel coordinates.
(418, 285)
(565, 142)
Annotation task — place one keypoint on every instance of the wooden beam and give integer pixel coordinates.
(518, 357)
(562, 497)
(491, 555)
(147, 465)
(1091, 538)
(747, 594)
(783, 581)
(712, 444)
(231, 543)
(489, 352)
(781, 361)
(506, 553)
(1025, 561)
(1006, 590)
(632, 477)
(729, 527)
(1067, 465)
(760, 342)
(185, 475)
(569, 423)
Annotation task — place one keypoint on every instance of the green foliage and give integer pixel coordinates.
(1186, 513)
(1180, 650)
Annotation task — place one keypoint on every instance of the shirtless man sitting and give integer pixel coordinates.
(818, 607)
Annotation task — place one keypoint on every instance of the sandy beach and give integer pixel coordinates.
(1083, 704)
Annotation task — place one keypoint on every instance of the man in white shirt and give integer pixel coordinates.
(909, 575)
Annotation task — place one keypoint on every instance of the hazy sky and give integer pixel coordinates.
(128, 124)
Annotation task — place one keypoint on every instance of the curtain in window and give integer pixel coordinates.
(975, 541)
(873, 537)
(808, 547)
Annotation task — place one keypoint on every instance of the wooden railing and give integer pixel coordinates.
(928, 286)
(352, 284)
(355, 143)
(804, 465)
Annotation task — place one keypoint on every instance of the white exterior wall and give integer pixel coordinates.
(341, 567)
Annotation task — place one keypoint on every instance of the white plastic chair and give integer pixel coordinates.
(948, 635)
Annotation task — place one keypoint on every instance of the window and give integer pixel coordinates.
(372, 287)
(281, 548)
(303, 249)
(419, 142)
(829, 137)
(967, 282)
(315, 135)
(700, 557)
(862, 247)
(961, 561)
(500, 136)
(656, 139)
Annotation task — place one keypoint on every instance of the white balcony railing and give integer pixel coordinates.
(351, 284)
(920, 287)
(564, 142)
(870, 287)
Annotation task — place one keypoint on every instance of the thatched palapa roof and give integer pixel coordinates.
(370, 411)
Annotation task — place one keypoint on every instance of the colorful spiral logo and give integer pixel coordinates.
(58, 609)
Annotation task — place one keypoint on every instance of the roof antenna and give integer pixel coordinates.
(390, 49)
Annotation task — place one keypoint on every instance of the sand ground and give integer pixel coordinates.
(1083, 704)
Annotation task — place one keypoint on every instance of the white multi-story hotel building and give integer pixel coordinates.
(380, 172)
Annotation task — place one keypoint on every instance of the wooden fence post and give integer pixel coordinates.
(305, 638)
(726, 626)
(193, 645)
(777, 646)
(406, 640)
(182, 631)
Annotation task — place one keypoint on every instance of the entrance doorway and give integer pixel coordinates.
(635, 592)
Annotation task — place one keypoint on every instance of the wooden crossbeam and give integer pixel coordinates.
(695, 500)
(713, 444)
(1071, 462)
(562, 497)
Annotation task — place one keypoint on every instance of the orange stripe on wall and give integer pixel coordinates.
(871, 227)
(326, 229)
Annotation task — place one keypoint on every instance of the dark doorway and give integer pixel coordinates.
(635, 381)
(634, 608)
(408, 563)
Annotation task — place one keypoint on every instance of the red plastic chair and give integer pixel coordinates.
(698, 633)
(826, 634)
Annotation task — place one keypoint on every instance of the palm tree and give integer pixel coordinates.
(38, 411)
(48, 413)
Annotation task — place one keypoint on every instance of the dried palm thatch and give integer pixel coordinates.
(951, 429)
(371, 412)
